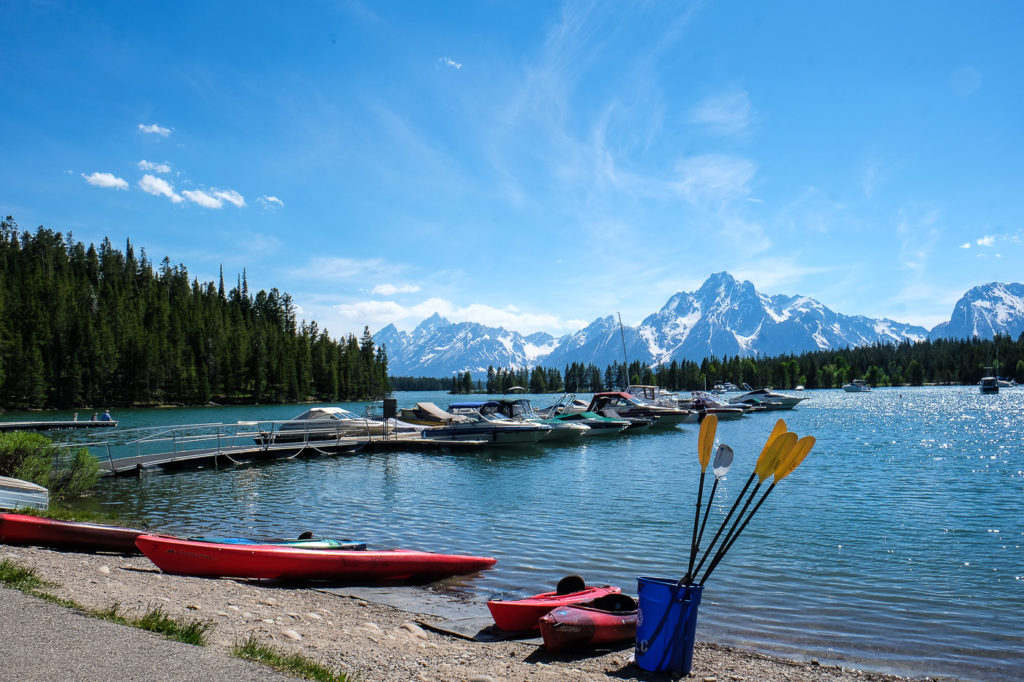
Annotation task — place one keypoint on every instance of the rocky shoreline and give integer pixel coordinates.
(368, 640)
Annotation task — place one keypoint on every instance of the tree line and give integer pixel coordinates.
(942, 361)
(81, 326)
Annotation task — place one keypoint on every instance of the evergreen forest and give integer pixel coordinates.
(943, 361)
(81, 326)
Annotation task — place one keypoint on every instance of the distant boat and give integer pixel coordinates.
(988, 385)
(857, 386)
(767, 399)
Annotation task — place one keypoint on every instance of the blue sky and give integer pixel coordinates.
(529, 165)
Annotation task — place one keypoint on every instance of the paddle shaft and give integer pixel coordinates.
(688, 578)
(707, 512)
(696, 522)
(728, 543)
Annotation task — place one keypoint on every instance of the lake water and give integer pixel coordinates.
(896, 546)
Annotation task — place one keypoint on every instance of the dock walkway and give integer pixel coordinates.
(55, 425)
(200, 446)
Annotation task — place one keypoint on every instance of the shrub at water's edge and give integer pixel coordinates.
(33, 457)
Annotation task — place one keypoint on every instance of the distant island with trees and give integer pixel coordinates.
(81, 326)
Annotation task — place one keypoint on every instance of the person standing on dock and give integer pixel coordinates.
(93, 417)
(105, 417)
(74, 417)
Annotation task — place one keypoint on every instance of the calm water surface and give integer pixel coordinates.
(896, 546)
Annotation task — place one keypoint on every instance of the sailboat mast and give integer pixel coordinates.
(625, 360)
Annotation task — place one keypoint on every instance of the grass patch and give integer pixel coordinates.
(188, 631)
(155, 619)
(295, 664)
(20, 578)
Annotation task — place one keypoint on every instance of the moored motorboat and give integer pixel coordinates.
(768, 399)
(629, 407)
(610, 619)
(478, 427)
(857, 386)
(212, 559)
(322, 423)
(521, 615)
(520, 409)
(22, 529)
(706, 403)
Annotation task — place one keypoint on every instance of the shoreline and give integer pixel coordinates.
(369, 640)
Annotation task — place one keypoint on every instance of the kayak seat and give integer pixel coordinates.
(614, 602)
(570, 584)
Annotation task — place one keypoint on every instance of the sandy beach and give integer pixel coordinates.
(370, 640)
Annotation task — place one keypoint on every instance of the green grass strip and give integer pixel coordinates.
(295, 664)
(155, 619)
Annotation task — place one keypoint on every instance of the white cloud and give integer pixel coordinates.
(198, 196)
(377, 314)
(230, 196)
(159, 187)
(727, 114)
(965, 245)
(391, 289)
(214, 198)
(271, 202)
(106, 180)
(450, 62)
(987, 240)
(155, 129)
(714, 177)
(345, 269)
(154, 167)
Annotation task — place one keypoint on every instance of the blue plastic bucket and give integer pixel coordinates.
(666, 624)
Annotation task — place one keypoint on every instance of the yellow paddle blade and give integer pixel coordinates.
(706, 439)
(777, 430)
(793, 458)
(769, 459)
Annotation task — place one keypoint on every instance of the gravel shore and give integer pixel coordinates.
(369, 640)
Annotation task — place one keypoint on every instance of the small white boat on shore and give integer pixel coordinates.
(18, 494)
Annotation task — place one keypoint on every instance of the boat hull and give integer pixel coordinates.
(214, 560)
(593, 623)
(521, 615)
(496, 436)
(21, 529)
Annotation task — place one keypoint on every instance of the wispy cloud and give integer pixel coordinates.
(987, 240)
(270, 202)
(214, 198)
(714, 177)
(965, 245)
(106, 180)
(159, 187)
(450, 62)
(391, 289)
(154, 167)
(729, 113)
(154, 129)
(347, 269)
(378, 314)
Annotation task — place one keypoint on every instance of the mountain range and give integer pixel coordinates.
(724, 317)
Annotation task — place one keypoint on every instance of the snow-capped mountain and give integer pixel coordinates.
(985, 311)
(438, 347)
(724, 317)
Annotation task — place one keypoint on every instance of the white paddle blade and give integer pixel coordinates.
(723, 460)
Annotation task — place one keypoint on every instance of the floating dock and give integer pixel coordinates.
(54, 425)
(205, 446)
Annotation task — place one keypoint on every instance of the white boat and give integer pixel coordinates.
(768, 399)
(323, 423)
(472, 425)
(988, 385)
(705, 403)
(857, 386)
(18, 494)
(520, 409)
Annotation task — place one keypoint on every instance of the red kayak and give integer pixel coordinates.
(608, 620)
(522, 614)
(21, 529)
(213, 559)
